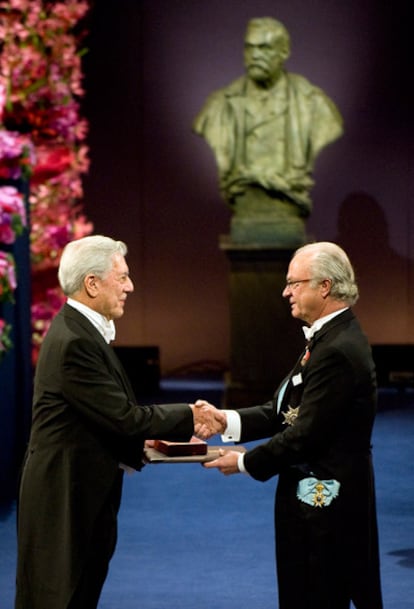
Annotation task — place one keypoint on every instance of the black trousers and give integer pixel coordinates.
(104, 537)
(325, 557)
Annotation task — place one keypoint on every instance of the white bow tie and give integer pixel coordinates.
(308, 332)
(109, 331)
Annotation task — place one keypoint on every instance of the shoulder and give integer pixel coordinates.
(302, 87)
(215, 104)
(68, 326)
(343, 341)
(299, 82)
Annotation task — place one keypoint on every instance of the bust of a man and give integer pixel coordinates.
(266, 129)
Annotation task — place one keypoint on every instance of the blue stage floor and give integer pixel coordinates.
(185, 534)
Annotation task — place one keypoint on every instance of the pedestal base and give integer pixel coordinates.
(268, 231)
(268, 219)
(265, 339)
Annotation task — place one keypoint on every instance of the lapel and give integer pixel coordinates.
(286, 388)
(341, 319)
(119, 371)
(115, 362)
(295, 386)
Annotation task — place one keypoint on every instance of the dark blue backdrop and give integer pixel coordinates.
(15, 368)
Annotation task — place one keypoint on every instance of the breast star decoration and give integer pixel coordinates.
(291, 415)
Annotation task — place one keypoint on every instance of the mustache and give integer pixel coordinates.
(257, 64)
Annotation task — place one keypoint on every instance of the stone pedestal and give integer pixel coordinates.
(265, 339)
(265, 218)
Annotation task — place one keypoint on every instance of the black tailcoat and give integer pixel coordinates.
(85, 423)
(326, 555)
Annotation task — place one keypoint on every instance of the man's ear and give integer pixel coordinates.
(326, 285)
(284, 50)
(91, 285)
(284, 54)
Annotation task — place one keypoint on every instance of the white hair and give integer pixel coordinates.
(91, 254)
(329, 261)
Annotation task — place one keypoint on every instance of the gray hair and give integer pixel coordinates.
(329, 261)
(91, 254)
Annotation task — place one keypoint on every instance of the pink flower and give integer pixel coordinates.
(12, 214)
(40, 90)
(51, 161)
(7, 277)
(43, 311)
(17, 155)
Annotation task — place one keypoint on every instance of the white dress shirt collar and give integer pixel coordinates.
(317, 325)
(104, 327)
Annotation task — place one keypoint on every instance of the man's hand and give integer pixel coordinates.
(208, 420)
(227, 463)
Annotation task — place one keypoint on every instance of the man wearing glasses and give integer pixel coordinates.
(318, 441)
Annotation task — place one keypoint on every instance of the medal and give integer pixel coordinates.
(291, 415)
(305, 357)
(319, 497)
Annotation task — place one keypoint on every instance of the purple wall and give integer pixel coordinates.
(153, 183)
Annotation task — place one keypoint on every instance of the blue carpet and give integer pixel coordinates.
(193, 539)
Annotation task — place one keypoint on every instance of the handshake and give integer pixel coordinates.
(208, 420)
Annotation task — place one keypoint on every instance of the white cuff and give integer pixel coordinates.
(232, 432)
(240, 464)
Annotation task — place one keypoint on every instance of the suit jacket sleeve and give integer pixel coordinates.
(336, 410)
(82, 394)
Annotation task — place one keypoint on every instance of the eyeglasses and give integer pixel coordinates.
(294, 283)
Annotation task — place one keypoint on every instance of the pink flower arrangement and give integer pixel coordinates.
(56, 219)
(12, 214)
(40, 62)
(7, 277)
(17, 155)
(42, 314)
(40, 91)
